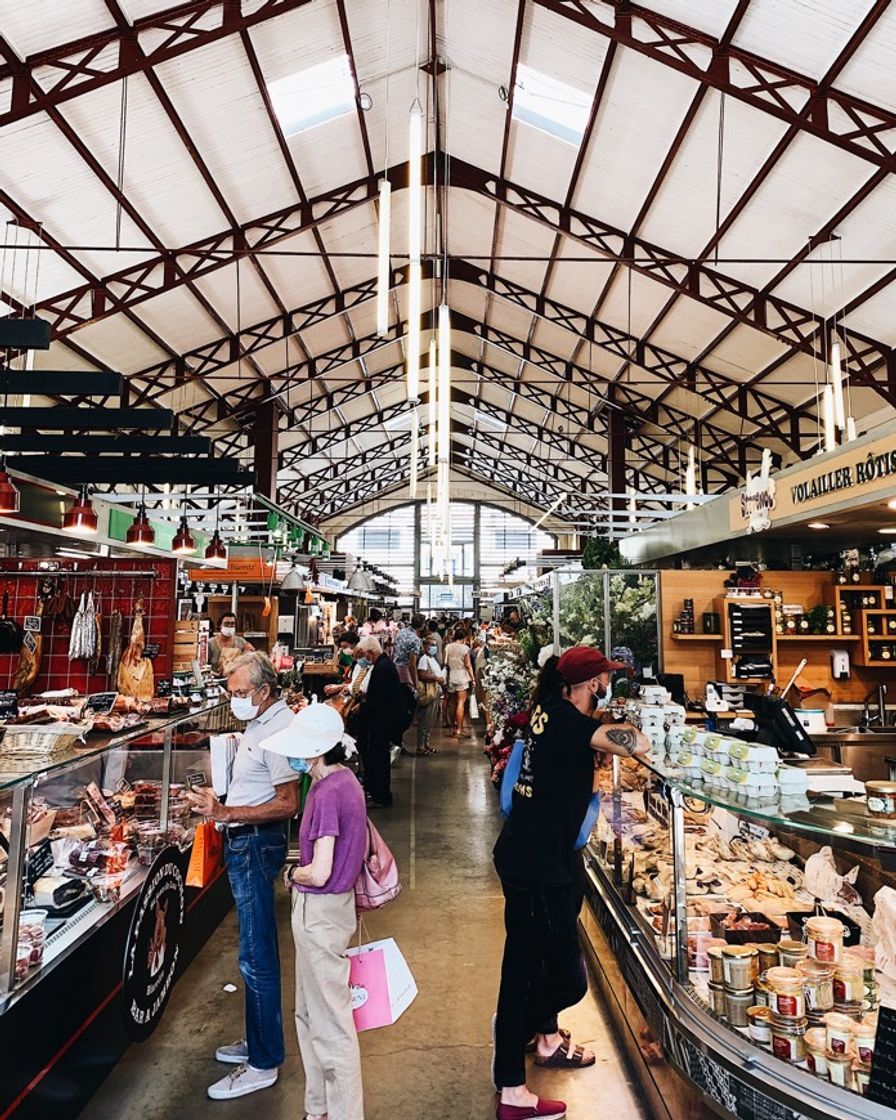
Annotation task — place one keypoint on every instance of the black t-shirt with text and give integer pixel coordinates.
(550, 798)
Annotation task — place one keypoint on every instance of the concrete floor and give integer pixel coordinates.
(434, 1062)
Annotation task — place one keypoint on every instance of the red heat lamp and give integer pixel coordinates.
(140, 531)
(217, 549)
(80, 518)
(183, 544)
(9, 494)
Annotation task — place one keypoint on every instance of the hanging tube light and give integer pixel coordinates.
(828, 421)
(383, 269)
(850, 428)
(415, 245)
(431, 451)
(444, 412)
(837, 386)
(690, 475)
(415, 451)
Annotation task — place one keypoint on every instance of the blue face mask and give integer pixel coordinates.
(363, 662)
(432, 650)
(300, 765)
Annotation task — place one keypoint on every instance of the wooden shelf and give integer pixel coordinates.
(697, 637)
(818, 637)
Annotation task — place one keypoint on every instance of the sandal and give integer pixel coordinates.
(532, 1043)
(567, 1056)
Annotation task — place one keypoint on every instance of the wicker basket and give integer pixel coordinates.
(39, 740)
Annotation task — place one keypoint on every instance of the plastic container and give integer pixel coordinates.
(839, 1030)
(864, 1034)
(106, 888)
(818, 980)
(738, 963)
(737, 1004)
(717, 1000)
(787, 996)
(716, 965)
(816, 1051)
(861, 1077)
(881, 800)
(824, 937)
(792, 952)
(839, 1069)
(759, 1021)
(849, 982)
(789, 1039)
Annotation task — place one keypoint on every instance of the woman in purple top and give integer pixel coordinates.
(333, 844)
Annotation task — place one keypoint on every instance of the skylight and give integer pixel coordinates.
(313, 96)
(550, 105)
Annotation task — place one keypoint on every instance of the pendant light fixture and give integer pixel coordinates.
(80, 518)
(415, 239)
(183, 543)
(10, 498)
(216, 549)
(837, 387)
(444, 412)
(431, 450)
(383, 258)
(690, 475)
(140, 531)
(828, 420)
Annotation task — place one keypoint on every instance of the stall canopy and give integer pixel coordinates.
(655, 218)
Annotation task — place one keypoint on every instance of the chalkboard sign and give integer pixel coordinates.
(100, 702)
(163, 688)
(39, 862)
(9, 704)
(151, 651)
(883, 1071)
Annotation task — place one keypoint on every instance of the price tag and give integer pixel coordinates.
(29, 642)
(726, 654)
(9, 704)
(32, 623)
(101, 703)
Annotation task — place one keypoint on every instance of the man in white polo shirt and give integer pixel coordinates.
(263, 793)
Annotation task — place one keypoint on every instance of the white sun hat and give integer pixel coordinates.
(312, 732)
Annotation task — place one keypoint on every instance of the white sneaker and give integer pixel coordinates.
(241, 1082)
(236, 1054)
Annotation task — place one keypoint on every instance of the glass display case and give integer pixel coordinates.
(81, 821)
(702, 923)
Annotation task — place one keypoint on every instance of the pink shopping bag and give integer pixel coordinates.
(381, 984)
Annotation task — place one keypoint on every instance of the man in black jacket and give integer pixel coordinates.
(384, 718)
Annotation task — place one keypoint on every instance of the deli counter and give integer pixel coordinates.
(699, 929)
(82, 822)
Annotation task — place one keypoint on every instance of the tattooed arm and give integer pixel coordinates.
(621, 739)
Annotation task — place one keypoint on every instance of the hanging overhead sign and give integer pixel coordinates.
(759, 497)
(854, 474)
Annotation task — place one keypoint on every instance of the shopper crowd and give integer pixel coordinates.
(393, 674)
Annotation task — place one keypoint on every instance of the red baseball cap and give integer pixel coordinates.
(581, 663)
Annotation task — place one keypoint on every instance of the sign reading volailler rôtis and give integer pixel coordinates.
(153, 946)
(855, 473)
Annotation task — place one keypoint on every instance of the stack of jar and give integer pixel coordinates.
(733, 972)
(812, 1005)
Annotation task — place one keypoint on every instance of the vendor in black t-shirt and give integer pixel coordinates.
(543, 970)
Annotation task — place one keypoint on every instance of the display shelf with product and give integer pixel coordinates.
(84, 816)
(731, 935)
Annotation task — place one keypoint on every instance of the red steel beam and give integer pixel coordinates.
(851, 123)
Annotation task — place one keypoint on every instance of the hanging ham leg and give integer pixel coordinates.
(30, 657)
(135, 674)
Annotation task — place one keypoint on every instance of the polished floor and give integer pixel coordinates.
(434, 1062)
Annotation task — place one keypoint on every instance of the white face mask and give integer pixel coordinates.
(243, 708)
(228, 631)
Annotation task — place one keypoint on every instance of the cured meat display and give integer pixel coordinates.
(135, 674)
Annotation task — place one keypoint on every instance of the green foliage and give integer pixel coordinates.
(602, 553)
(817, 617)
(633, 613)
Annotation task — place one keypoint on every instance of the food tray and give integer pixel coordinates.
(745, 936)
(853, 931)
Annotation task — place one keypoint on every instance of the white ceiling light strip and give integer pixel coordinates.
(383, 270)
(415, 240)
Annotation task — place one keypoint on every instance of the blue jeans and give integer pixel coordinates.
(254, 863)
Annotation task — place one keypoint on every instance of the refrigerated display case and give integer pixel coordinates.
(672, 869)
(79, 832)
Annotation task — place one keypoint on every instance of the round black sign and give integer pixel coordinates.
(153, 946)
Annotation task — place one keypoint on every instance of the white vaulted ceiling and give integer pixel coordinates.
(730, 202)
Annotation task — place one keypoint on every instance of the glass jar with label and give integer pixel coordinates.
(816, 1051)
(818, 980)
(840, 1069)
(737, 1004)
(791, 952)
(738, 963)
(824, 937)
(849, 981)
(759, 1020)
(839, 1032)
(716, 967)
(865, 1032)
(789, 1039)
(787, 996)
(881, 800)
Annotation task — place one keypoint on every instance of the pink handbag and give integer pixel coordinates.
(378, 882)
